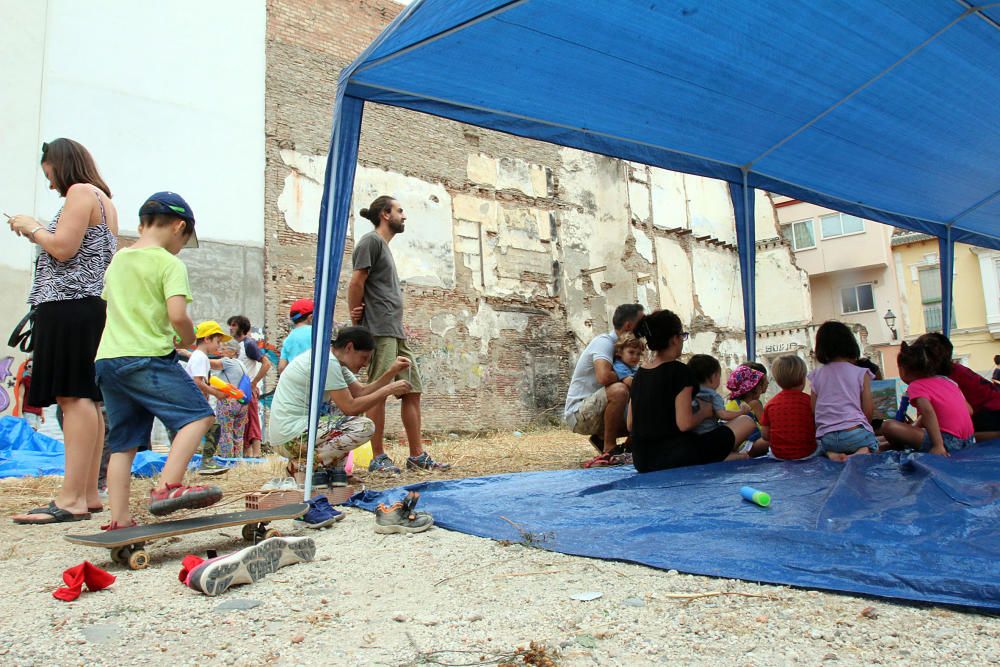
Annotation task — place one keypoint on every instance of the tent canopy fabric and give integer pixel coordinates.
(886, 109)
(889, 109)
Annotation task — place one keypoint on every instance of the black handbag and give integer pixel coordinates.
(22, 337)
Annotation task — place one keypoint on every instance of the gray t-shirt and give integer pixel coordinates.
(584, 382)
(383, 296)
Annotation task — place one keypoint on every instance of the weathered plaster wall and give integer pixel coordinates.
(515, 252)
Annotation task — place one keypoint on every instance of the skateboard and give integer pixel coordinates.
(128, 545)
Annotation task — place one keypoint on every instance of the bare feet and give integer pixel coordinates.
(836, 456)
(737, 456)
(863, 450)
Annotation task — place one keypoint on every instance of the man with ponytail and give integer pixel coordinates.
(375, 299)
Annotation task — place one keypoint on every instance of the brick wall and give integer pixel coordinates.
(522, 374)
(544, 241)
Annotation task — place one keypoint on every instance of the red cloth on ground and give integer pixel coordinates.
(84, 573)
(188, 565)
(792, 429)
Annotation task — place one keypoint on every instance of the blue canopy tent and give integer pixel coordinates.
(885, 109)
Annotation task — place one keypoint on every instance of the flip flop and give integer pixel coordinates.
(58, 515)
(96, 510)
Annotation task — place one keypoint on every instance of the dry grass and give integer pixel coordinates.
(471, 456)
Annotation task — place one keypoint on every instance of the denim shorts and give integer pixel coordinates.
(849, 441)
(137, 389)
(952, 443)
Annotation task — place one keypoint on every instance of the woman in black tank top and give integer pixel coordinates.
(661, 415)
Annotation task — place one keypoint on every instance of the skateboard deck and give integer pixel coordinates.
(127, 545)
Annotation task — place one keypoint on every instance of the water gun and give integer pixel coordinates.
(229, 390)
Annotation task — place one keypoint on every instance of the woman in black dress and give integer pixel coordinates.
(74, 251)
(661, 415)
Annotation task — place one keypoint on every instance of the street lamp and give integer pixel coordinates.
(890, 321)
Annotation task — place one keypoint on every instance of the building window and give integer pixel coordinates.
(840, 224)
(930, 297)
(857, 299)
(800, 234)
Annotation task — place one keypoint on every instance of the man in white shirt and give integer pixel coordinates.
(596, 399)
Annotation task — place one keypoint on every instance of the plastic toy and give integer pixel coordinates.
(755, 496)
(229, 390)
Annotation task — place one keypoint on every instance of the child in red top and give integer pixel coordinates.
(787, 422)
(944, 424)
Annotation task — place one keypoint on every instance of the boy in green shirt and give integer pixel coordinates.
(146, 287)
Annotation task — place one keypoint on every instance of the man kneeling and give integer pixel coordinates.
(597, 399)
(342, 427)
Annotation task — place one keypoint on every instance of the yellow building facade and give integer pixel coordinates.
(975, 325)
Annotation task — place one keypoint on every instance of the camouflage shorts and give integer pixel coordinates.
(589, 417)
(336, 437)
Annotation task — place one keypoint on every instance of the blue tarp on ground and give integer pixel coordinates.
(909, 526)
(25, 453)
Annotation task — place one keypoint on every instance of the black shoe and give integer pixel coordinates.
(321, 477)
(337, 476)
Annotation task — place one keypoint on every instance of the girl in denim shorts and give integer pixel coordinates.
(944, 424)
(841, 395)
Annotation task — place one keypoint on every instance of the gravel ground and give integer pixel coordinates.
(438, 598)
(446, 598)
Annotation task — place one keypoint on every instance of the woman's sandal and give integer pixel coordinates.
(58, 515)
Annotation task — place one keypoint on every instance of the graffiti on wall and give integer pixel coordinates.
(6, 382)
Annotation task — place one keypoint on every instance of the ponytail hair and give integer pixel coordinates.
(916, 359)
(374, 211)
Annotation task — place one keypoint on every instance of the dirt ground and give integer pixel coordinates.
(440, 598)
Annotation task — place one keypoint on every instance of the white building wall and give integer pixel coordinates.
(166, 96)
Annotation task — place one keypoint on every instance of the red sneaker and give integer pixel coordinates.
(174, 497)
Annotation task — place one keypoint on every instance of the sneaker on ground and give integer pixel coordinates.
(174, 497)
(250, 565)
(382, 463)
(400, 517)
(338, 477)
(425, 462)
(320, 515)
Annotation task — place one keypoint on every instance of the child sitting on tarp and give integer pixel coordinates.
(981, 394)
(746, 385)
(841, 395)
(944, 424)
(787, 423)
(708, 376)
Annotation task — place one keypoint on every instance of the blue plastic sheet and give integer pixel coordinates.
(908, 526)
(25, 453)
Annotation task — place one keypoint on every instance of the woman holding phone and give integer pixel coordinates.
(74, 252)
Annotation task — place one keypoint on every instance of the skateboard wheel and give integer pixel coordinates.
(120, 555)
(138, 560)
(249, 533)
(273, 532)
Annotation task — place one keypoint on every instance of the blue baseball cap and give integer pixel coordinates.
(171, 203)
